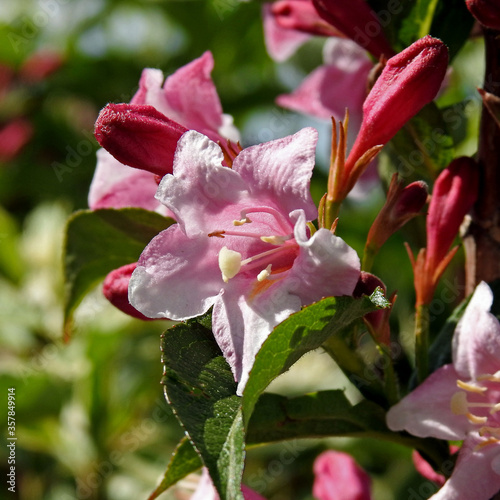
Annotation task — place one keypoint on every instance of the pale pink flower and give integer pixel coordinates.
(337, 476)
(460, 401)
(340, 83)
(281, 43)
(187, 97)
(241, 244)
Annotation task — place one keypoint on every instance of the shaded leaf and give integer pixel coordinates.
(184, 461)
(96, 242)
(300, 333)
(200, 387)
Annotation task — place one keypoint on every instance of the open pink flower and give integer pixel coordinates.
(338, 84)
(189, 98)
(339, 477)
(461, 401)
(241, 244)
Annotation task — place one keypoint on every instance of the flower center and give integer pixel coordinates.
(479, 402)
(269, 245)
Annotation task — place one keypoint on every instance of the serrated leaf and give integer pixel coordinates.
(321, 414)
(184, 461)
(200, 387)
(96, 242)
(300, 333)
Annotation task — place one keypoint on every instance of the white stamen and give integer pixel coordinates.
(265, 273)
(470, 387)
(229, 263)
(243, 220)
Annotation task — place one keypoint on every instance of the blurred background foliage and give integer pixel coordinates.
(91, 419)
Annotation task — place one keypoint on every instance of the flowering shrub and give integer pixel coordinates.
(226, 239)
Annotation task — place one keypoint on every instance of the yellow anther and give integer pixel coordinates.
(265, 273)
(459, 404)
(474, 419)
(485, 443)
(275, 240)
(244, 220)
(229, 263)
(470, 387)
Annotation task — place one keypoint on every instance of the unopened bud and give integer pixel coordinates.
(139, 136)
(409, 81)
(357, 21)
(487, 12)
(301, 16)
(454, 193)
(115, 289)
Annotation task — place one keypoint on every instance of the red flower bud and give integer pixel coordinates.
(487, 12)
(139, 136)
(409, 81)
(40, 65)
(13, 137)
(301, 15)
(454, 193)
(115, 289)
(357, 21)
(402, 204)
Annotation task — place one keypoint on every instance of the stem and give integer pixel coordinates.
(422, 341)
(368, 257)
(332, 209)
(483, 240)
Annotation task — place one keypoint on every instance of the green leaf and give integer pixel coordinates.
(321, 414)
(184, 461)
(418, 22)
(300, 333)
(96, 242)
(200, 387)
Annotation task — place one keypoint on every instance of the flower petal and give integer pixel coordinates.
(475, 474)
(116, 185)
(326, 265)
(241, 325)
(281, 43)
(426, 412)
(201, 188)
(176, 277)
(476, 343)
(280, 171)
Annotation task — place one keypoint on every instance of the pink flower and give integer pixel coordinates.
(241, 244)
(460, 401)
(207, 491)
(357, 21)
(339, 477)
(14, 135)
(189, 99)
(341, 82)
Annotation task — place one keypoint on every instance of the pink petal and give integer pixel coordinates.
(476, 343)
(281, 43)
(476, 475)
(201, 188)
(176, 277)
(115, 185)
(281, 171)
(326, 265)
(344, 74)
(426, 411)
(241, 323)
(339, 477)
(425, 469)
